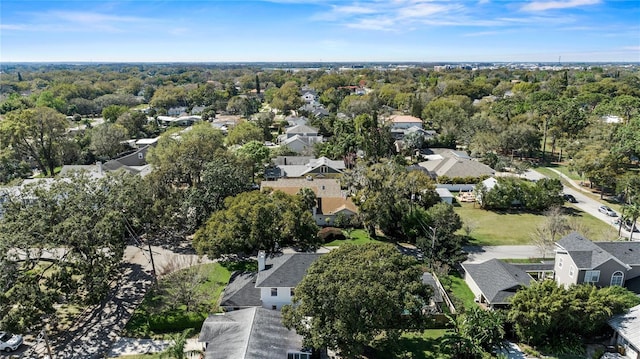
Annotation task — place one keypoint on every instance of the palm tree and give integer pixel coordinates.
(176, 350)
(631, 212)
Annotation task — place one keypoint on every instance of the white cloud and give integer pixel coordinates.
(353, 9)
(558, 4)
(12, 27)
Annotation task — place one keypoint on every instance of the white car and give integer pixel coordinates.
(10, 342)
(608, 211)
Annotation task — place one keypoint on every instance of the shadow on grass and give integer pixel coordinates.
(242, 265)
(419, 347)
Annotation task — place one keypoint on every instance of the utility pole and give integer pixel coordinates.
(433, 244)
(153, 264)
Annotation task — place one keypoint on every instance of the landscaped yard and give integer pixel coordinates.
(183, 299)
(459, 291)
(503, 228)
(425, 345)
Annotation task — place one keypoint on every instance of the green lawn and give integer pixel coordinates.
(504, 228)
(164, 309)
(564, 169)
(498, 228)
(358, 236)
(425, 345)
(459, 290)
(547, 172)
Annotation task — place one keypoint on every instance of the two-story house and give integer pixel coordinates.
(278, 277)
(579, 260)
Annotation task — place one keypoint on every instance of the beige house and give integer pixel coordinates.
(331, 200)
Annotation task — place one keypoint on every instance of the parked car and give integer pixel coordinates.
(569, 198)
(608, 211)
(10, 342)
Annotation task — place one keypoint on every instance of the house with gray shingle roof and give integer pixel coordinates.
(251, 327)
(493, 282)
(251, 333)
(626, 327)
(304, 166)
(453, 164)
(278, 276)
(579, 260)
(241, 292)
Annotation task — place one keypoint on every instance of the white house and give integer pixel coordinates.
(278, 277)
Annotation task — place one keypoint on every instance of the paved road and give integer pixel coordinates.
(590, 205)
(483, 253)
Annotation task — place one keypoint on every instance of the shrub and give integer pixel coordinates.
(329, 234)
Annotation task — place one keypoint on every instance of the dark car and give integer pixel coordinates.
(569, 198)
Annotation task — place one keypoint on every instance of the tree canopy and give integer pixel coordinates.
(253, 221)
(62, 242)
(354, 296)
(35, 133)
(546, 313)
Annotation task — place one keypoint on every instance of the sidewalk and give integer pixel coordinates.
(570, 181)
(132, 346)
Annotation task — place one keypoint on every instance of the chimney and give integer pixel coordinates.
(99, 165)
(262, 258)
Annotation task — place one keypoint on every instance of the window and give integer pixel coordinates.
(274, 307)
(298, 355)
(140, 155)
(617, 278)
(592, 276)
(571, 270)
(560, 262)
(324, 169)
(274, 292)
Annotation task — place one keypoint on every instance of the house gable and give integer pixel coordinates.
(495, 280)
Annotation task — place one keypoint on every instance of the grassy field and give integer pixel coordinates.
(508, 228)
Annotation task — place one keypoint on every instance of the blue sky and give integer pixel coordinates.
(320, 30)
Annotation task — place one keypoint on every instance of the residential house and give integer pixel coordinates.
(331, 199)
(99, 169)
(493, 282)
(278, 276)
(241, 292)
(452, 164)
(304, 166)
(251, 326)
(300, 138)
(300, 130)
(177, 111)
(250, 333)
(626, 328)
(309, 96)
(296, 121)
(301, 144)
(579, 260)
(400, 133)
(404, 122)
(182, 121)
